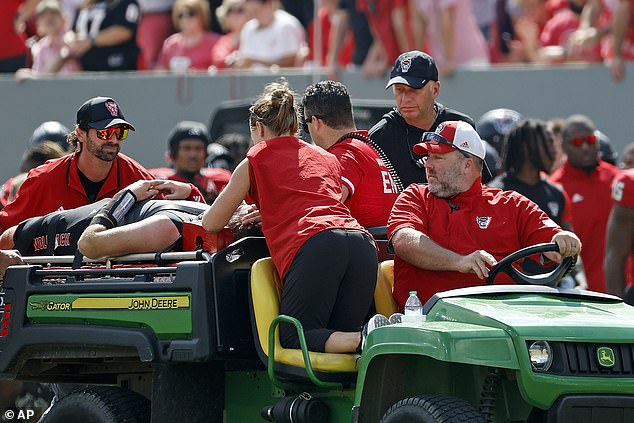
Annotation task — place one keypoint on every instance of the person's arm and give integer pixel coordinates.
(338, 30)
(25, 11)
(620, 27)
(447, 25)
(619, 238)
(418, 249)
(8, 258)
(220, 212)
(418, 24)
(399, 26)
(110, 36)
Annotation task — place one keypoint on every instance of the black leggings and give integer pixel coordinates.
(329, 286)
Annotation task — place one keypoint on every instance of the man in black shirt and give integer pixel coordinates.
(414, 81)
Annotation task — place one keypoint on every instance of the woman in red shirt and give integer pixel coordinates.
(326, 260)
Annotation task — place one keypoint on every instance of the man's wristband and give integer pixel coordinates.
(113, 213)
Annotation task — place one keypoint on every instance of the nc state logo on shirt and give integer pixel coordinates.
(483, 221)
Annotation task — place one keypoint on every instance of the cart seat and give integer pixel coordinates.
(383, 299)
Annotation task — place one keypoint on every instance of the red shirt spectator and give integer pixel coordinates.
(195, 56)
(380, 17)
(345, 55)
(13, 44)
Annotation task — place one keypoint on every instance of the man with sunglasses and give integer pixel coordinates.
(414, 82)
(587, 180)
(448, 233)
(95, 170)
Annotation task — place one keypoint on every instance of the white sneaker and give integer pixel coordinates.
(396, 318)
(376, 321)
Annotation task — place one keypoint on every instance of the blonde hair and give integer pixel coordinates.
(223, 9)
(201, 7)
(275, 108)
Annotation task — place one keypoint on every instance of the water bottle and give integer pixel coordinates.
(413, 308)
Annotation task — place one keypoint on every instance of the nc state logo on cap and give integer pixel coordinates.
(406, 63)
(112, 108)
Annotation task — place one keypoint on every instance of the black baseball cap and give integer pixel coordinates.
(413, 68)
(101, 113)
(187, 129)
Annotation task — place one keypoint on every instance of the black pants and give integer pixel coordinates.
(329, 286)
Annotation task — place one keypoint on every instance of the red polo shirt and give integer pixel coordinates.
(55, 185)
(372, 190)
(623, 194)
(591, 205)
(481, 218)
(297, 188)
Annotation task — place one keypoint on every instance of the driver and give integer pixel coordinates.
(447, 234)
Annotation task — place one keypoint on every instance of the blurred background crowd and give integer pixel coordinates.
(65, 36)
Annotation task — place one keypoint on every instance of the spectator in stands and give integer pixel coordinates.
(271, 38)
(155, 26)
(50, 53)
(94, 171)
(325, 15)
(448, 233)
(187, 150)
(623, 39)
(347, 18)
(627, 157)
(106, 35)
(527, 155)
(587, 180)
(452, 34)
(368, 188)
(619, 249)
(190, 48)
(13, 17)
(390, 26)
(232, 16)
(554, 44)
(34, 156)
(297, 188)
(414, 82)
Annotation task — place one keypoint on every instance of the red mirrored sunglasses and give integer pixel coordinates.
(121, 132)
(588, 139)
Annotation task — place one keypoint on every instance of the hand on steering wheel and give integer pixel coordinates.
(551, 278)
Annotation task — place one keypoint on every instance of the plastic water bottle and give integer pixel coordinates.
(413, 306)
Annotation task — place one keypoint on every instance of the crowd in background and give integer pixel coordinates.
(64, 36)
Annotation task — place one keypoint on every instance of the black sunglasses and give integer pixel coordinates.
(305, 121)
(435, 139)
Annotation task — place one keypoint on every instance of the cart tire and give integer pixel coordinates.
(100, 405)
(432, 409)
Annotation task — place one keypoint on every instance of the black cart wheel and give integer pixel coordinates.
(100, 405)
(432, 409)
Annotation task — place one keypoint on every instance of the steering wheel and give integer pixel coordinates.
(551, 278)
